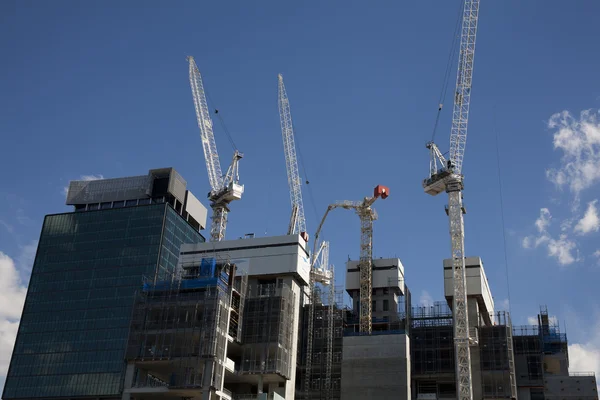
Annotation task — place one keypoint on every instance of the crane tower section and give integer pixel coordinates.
(298, 221)
(446, 175)
(224, 189)
(367, 215)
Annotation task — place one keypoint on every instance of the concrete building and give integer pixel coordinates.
(89, 263)
(525, 362)
(542, 364)
(246, 343)
(378, 366)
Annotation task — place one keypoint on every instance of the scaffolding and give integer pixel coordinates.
(178, 335)
(537, 348)
(329, 319)
(496, 356)
(432, 346)
(268, 330)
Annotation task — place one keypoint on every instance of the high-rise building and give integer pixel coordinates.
(89, 264)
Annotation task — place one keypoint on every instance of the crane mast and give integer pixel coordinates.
(320, 270)
(298, 221)
(224, 189)
(367, 215)
(448, 177)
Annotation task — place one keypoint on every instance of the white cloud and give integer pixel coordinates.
(503, 305)
(584, 358)
(544, 220)
(26, 258)
(84, 178)
(579, 141)
(425, 300)
(7, 226)
(590, 221)
(552, 320)
(12, 298)
(12, 292)
(562, 249)
(8, 333)
(597, 253)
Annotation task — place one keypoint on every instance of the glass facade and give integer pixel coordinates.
(75, 323)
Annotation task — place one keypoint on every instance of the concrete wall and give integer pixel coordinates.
(477, 283)
(276, 256)
(290, 385)
(376, 367)
(385, 270)
(561, 387)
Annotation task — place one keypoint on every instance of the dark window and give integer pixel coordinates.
(386, 305)
(143, 201)
(386, 290)
(374, 305)
(94, 206)
(130, 203)
(105, 205)
(118, 204)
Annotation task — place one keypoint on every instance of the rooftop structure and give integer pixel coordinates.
(163, 185)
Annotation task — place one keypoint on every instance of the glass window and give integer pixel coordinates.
(386, 305)
(130, 203)
(88, 266)
(374, 305)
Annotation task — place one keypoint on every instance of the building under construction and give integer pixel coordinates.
(226, 325)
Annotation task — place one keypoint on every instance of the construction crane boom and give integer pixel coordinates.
(224, 189)
(367, 215)
(448, 177)
(291, 162)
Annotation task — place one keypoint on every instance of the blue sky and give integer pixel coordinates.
(101, 88)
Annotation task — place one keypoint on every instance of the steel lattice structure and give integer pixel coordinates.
(291, 162)
(367, 216)
(449, 178)
(223, 189)
(330, 334)
(321, 271)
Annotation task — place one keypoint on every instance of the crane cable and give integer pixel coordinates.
(502, 212)
(231, 142)
(449, 64)
(307, 181)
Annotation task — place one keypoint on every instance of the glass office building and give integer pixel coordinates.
(89, 264)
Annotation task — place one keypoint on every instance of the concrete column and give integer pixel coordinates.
(207, 377)
(128, 381)
(260, 384)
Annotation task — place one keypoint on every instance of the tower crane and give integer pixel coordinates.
(320, 270)
(446, 175)
(297, 219)
(224, 189)
(367, 215)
